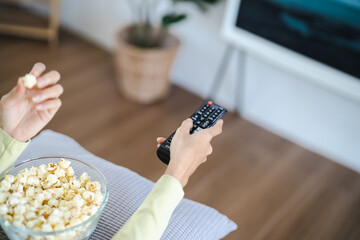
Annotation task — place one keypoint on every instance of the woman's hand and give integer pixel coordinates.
(187, 151)
(24, 112)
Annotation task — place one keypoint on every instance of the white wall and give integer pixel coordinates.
(276, 100)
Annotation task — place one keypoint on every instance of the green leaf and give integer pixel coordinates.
(172, 18)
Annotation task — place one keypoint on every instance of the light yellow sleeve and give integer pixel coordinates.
(10, 150)
(152, 217)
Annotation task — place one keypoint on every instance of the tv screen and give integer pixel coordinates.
(325, 30)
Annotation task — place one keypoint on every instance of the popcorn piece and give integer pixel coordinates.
(30, 215)
(46, 228)
(30, 192)
(19, 210)
(81, 190)
(32, 223)
(59, 192)
(49, 193)
(18, 223)
(60, 172)
(84, 217)
(33, 171)
(19, 218)
(45, 211)
(51, 167)
(84, 177)
(5, 185)
(64, 164)
(93, 186)
(75, 184)
(29, 80)
(59, 226)
(99, 198)
(41, 171)
(78, 201)
(75, 221)
(69, 195)
(17, 187)
(51, 179)
(36, 204)
(3, 209)
(57, 184)
(67, 216)
(55, 217)
(70, 172)
(13, 200)
(40, 197)
(22, 178)
(53, 202)
(4, 196)
(88, 196)
(10, 178)
(33, 181)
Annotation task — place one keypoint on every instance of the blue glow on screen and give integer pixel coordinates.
(325, 30)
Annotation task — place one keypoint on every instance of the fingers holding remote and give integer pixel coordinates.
(160, 140)
(188, 152)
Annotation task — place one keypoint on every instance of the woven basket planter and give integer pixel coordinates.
(143, 74)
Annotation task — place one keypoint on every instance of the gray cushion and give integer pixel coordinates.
(190, 220)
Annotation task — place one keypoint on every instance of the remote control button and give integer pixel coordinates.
(202, 118)
(196, 116)
(205, 124)
(210, 103)
(197, 122)
(211, 119)
(204, 108)
(198, 129)
(218, 111)
(167, 146)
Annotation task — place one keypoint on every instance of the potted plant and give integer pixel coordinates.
(146, 49)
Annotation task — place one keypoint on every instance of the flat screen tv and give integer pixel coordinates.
(319, 39)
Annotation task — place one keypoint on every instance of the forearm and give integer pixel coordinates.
(10, 150)
(152, 217)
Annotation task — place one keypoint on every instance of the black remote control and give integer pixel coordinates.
(205, 117)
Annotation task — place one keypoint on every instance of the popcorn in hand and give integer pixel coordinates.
(29, 80)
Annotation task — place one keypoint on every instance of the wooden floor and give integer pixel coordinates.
(272, 188)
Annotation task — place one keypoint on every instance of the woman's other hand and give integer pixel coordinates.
(24, 112)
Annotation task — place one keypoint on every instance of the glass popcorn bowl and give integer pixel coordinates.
(80, 231)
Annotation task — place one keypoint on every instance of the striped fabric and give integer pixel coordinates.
(190, 220)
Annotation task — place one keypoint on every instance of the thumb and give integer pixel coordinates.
(160, 140)
(13, 96)
(186, 126)
(20, 87)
